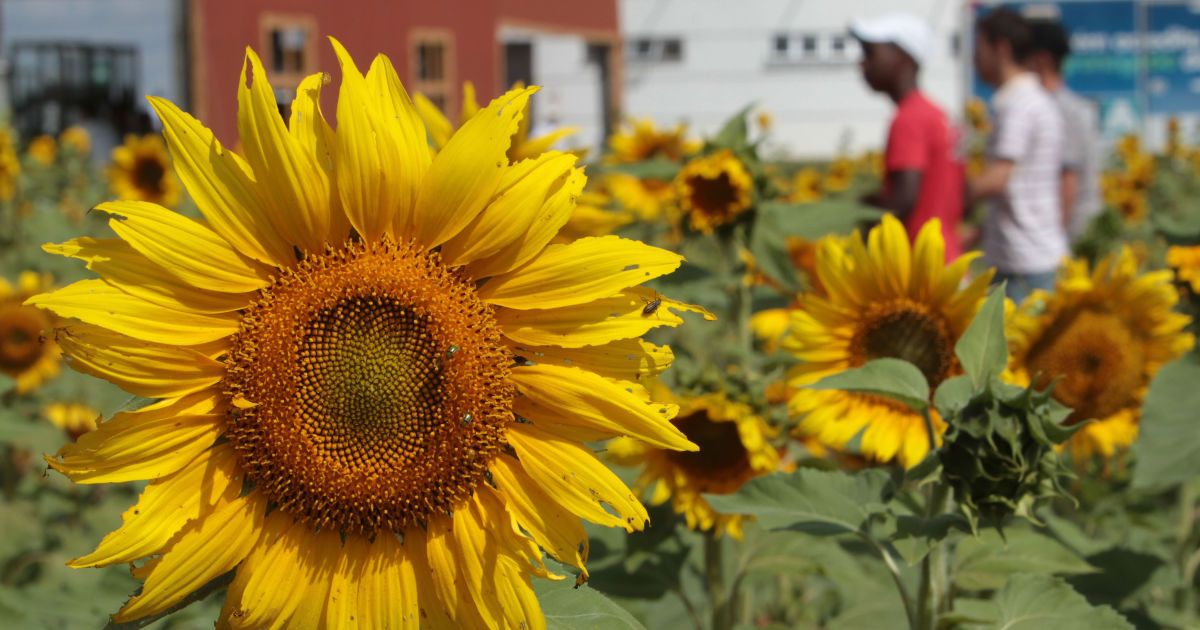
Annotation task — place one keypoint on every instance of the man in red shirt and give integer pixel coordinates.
(924, 178)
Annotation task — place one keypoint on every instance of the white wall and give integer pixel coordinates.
(818, 109)
(571, 90)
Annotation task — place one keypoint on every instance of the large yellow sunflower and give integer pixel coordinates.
(714, 190)
(27, 355)
(881, 298)
(375, 377)
(1103, 334)
(734, 449)
(522, 146)
(140, 171)
(10, 165)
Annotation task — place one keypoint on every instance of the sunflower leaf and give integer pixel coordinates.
(569, 608)
(812, 501)
(891, 378)
(1030, 601)
(1167, 450)
(983, 349)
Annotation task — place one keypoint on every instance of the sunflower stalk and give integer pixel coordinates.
(714, 572)
(933, 586)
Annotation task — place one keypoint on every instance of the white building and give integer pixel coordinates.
(699, 61)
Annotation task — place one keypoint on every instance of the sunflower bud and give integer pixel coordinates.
(999, 452)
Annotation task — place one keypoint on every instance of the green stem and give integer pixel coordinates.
(714, 571)
(1189, 558)
(932, 588)
(897, 578)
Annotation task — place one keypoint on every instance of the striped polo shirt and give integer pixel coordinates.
(1023, 231)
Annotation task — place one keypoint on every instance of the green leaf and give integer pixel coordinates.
(583, 608)
(1034, 602)
(768, 244)
(1167, 450)
(985, 562)
(893, 378)
(813, 501)
(915, 535)
(814, 220)
(734, 133)
(983, 350)
(953, 395)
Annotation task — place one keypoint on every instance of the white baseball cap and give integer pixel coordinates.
(905, 30)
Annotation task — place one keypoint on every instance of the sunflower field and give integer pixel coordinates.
(389, 366)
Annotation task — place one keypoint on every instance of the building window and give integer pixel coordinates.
(432, 72)
(656, 50)
(812, 48)
(290, 45)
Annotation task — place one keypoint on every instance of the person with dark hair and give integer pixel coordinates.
(923, 178)
(1024, 229)
(1081, 151)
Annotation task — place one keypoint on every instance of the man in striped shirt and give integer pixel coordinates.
(1025, 228)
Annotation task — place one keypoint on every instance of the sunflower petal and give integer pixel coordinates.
(221, 185)
(255, 599)
(573, 475)
(512, 213)
(476, 555)
(576, 273)
(127, 269)
(102, 304)
(536, 146)
(556, 529)
(184, 247)
(598, 322)
(553, 395)
(312, 133)
(466, 172)
(167, 505)
(624, 359)
(387, 586)
(294, 188)
(213, 546)
(139, 367)
(436, 123)
(555, 213)
(145, 444)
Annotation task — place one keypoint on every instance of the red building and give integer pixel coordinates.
(435, 46)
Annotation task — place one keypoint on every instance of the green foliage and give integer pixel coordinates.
(999, 456)
(812, 501)
(893, 378)
(567, 607)
(1168, 447)
(983, 349)
(1031, 601)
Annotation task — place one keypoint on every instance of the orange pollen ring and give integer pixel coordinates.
(379, 389)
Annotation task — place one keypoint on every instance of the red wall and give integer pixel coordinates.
(223, 28)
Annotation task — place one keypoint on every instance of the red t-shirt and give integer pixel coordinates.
(922, 139)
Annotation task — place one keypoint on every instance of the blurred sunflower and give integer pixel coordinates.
(335, 350)
(713, 190)
(521, 147)
(592, 217)
(27, 356)
(141, 171)
(650, 199)
(1102, 333)
(10, 165)
(639, 140)
(806, 186)
(43, 150)
(1175, 148)
(733, 450)
(765, 121)
(871, 163)
(77, 139)
(839, 175)
(74, 419)
(1129, 146)
(977, 116)
(882, 298)
(1186, 263)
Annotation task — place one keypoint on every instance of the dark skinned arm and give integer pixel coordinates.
(904, 187)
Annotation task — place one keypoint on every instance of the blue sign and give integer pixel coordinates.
(1172, 48)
